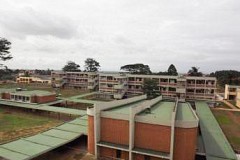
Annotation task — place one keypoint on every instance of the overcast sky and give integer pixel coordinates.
(48, 33)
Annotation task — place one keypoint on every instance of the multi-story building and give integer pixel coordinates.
(119, 84)
(231, 92)
(78, 80)
(184, 87)
(113, 84)
(139, 129)
(238, 98)
(29, 80)
(35, 96)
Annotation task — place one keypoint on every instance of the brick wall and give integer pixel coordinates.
(185, 143)
(91, 141)
(154, 137)
(5, 96)
(114, 131)
(112, 153)
(142, 157)
(43, 99)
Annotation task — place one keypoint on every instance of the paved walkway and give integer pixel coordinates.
(229, 104)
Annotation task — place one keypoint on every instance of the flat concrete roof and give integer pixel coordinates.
(28, 148)
(216, 144)
(184, 112)
(33, 92)
(27, 92)
(124, 109)
(161, 111)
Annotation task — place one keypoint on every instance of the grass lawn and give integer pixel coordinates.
(223, 105)
(229, 122)
(63, 92)
(15, 125)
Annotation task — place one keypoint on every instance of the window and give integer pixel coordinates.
(118, 153)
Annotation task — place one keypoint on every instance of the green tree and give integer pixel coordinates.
(230, 77)
(71, 67)
(5, 45)
(172, 70)
(137, 68)
(91, 65)
(150, 88)
(194, 71)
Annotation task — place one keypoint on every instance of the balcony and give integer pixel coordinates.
(118, 95)
(136, 82)
(180, 90)
(119, 86)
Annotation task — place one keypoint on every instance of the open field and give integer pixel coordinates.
(229, 122)
(63, 92)
(17, 124)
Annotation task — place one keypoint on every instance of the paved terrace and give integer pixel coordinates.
(31, 147)
(216, 144)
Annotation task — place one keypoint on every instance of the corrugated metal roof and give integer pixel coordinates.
(28, 148)
(45, 108)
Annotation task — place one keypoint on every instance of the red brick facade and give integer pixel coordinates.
(115, 131)
(5, 96)
(147, 136)
(43, 99)
(185, 143)
(154, 137)
(109, 153)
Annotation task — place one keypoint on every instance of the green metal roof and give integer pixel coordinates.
(216, 144)
(184, 112)
(162, 111)
(45, 108)
(28, 148)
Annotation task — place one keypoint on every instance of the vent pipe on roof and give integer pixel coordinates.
(148, 111)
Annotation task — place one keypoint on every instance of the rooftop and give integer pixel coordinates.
(162, 111)
(184, 112)
(27, 92)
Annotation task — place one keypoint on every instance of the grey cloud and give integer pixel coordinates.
(27, 21)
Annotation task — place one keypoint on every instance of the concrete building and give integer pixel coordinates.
(78, 80)
(113, 84)
(118, 85)
(29, 80)
(184, 87)
(238, 98)
(141, 129)
(231, 92)
(36, 96)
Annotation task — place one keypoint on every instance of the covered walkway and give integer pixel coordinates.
(45, 107)
(216, 144)
(31, 147)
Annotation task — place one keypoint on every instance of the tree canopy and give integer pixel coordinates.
(172, 70)
(5, 45)
(71, 67)
(150, 88)
(137, 68)
(230, 77)
(91, 65)
(194, 71)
